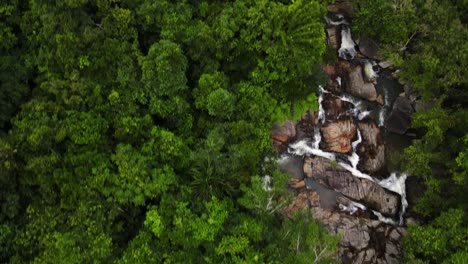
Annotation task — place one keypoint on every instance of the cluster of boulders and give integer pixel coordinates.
(365, 239)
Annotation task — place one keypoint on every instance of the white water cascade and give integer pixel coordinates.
(347, 44)
(395, 182)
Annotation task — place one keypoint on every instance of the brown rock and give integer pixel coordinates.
(337, 136)
(380, 99)
(314, 199)
(308, 167)
(329, 70)
(344, 8)
(371, 150)
(296, 183)
(344, 67)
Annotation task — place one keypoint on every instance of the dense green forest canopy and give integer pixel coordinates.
(135, 131)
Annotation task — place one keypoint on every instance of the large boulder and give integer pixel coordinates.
(400, 118)
(372, 149)
(281, 135)
(357, 87)
(362, 190)
(337, 136)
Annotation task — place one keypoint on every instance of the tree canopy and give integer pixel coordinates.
(136, 131)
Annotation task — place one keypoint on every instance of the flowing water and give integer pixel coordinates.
(348, 47)
(360, 109)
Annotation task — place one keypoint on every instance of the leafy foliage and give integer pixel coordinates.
(129, 127)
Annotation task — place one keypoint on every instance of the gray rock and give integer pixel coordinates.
(394, 235)
(400, 118)
(360, 257)
(391, 260)
(370, 255)
(402, 231)
(307, 167)
(368, 47)
(385, 64)
(391, 249)
(357, 87)
(342, 8)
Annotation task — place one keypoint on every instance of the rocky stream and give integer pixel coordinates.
(338, 156)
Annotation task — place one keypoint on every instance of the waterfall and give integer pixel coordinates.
(302, 148)
(321, 113)
(397, 184)
(347, 44)
(371, 75)
(354, 158)
(359, 111)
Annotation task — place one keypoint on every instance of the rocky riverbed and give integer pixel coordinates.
(337, 156)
